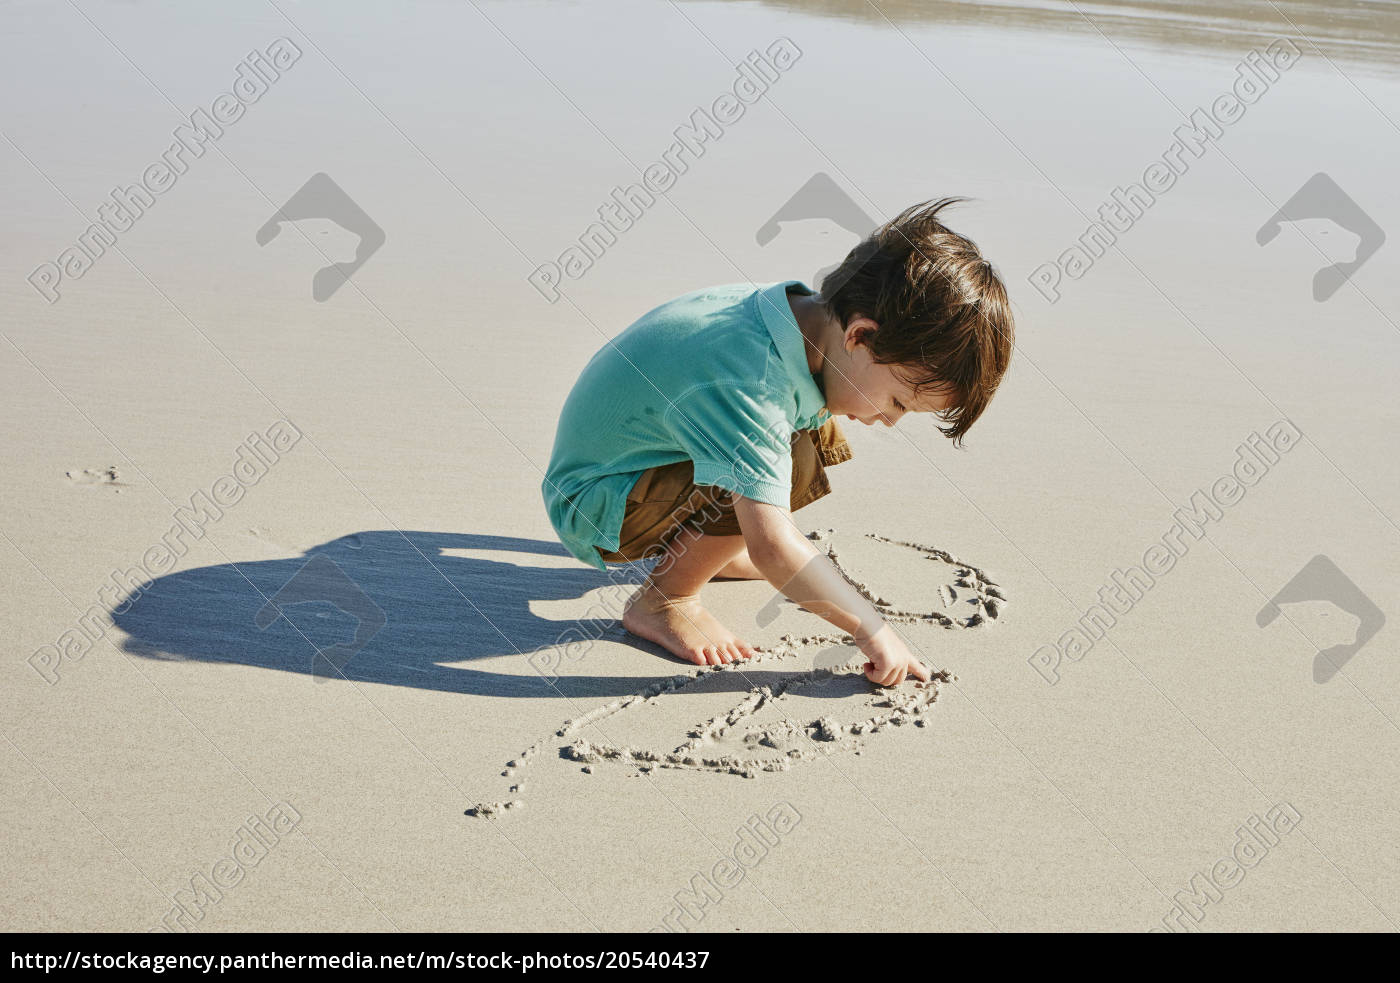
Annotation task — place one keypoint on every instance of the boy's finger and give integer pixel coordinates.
(918, 670)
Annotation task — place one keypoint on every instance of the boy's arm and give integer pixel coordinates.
(789, 562)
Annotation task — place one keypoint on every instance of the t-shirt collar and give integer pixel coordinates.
(777, 317)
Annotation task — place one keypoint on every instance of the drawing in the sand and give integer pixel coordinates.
(758, 733)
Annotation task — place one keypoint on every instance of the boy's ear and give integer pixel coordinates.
(858, 331)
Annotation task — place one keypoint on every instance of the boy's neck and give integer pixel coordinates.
(819, 328)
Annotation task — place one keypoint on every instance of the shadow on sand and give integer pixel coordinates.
(402, 609)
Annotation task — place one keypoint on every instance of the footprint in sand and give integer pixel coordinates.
(771, 728)
(96, 476)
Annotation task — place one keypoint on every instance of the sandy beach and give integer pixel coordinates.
(293, 293)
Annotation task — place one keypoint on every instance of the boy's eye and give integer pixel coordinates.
(899, 406)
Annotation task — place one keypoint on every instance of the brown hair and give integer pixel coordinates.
(943, 313)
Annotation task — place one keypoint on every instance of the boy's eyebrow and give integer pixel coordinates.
(915, 398)
(923, 403)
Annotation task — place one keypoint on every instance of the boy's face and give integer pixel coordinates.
(859, 388)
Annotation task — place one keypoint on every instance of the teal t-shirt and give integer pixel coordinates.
(718, 377)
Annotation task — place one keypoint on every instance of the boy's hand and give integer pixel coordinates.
(890, 659)
(790, 563)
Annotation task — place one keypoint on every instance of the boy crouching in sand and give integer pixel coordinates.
(694, 434)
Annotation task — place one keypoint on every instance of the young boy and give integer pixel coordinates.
(695, 433)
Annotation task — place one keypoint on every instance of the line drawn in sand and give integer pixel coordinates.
(737, 742)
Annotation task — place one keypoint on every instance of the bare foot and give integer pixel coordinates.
(683, 627)
(740, 568)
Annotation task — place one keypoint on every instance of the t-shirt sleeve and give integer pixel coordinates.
(739, 438)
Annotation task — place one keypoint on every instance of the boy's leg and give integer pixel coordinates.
(739, 568)
(664, 512)
(697, 535)
(667, 610)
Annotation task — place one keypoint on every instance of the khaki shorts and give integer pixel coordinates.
(666, 500)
